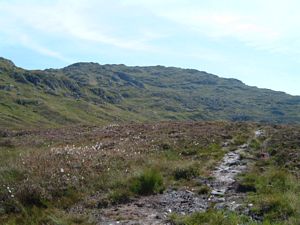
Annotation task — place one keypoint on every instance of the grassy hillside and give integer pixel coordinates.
(89, 93)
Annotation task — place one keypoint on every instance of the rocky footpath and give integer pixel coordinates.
(224, 194)
(151, 210)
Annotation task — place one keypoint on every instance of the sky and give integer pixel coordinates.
(256, 41)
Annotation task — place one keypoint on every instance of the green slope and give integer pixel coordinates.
(89, 93)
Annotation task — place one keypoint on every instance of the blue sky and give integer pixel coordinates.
(256, 41)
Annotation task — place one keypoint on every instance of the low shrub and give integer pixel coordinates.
(255, 144)
(165, 146)
(185, 173)
(149, 182)
(8, 206)
(119, 196)
(30, 195)
(240, 139)
(244, 188)
(189, 152)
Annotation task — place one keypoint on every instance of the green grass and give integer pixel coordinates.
(148, 182)
(255, 144)
(213, 218)
(277, 196)
(38, 216)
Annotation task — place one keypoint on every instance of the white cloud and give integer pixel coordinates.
(262, 24)
(211, 34)
(220, 25)
(74, 20)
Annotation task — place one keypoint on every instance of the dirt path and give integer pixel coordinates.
(153, 210)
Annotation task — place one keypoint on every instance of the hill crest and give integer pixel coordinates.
(89, 93)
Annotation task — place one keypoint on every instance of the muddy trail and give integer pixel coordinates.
(150, 210)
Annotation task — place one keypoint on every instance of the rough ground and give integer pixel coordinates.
(155, 209)
(54, 176)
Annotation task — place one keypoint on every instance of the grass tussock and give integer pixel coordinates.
(148, 182)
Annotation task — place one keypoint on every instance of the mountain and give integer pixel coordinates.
(90, 93)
